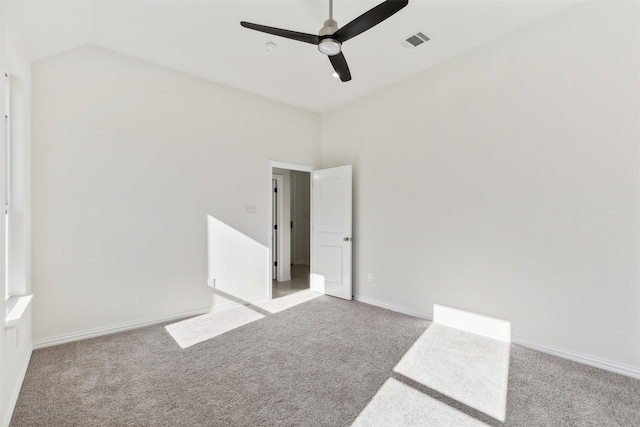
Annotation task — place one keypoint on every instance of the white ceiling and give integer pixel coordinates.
(204, 38)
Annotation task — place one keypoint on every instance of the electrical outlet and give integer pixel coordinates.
(370, 277)
(212, 282)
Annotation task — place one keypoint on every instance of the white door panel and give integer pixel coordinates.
(332, 207)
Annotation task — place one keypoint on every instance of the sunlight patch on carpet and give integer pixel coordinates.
(469, 368)
(201, 328)
(279, 304)
(397, 404)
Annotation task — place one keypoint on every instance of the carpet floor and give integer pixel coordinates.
(320, 363)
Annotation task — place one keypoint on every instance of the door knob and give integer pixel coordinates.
(347, 239)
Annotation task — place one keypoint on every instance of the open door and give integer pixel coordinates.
(331, 224)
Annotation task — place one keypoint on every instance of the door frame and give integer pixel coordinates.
(280, 224)
(295, 167)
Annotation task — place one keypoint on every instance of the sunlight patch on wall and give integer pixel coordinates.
(237, 264)
(478, 324)
(316, 282)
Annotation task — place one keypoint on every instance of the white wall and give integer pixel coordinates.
(130, 163)
(15, 344)
(506, 182)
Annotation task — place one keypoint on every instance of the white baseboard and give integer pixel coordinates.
(13, 398)
(393, 308)
(92, 333)
(607, 365)
(618, 368)
(596, 362)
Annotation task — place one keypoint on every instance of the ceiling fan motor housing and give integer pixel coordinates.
(329, 46)
(330, 27)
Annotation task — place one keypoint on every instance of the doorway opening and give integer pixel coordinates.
(291, 231)
(329, 230)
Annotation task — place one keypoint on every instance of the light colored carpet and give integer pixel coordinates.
(197, 329)
(400, 405)
(469, 368)
(319, 363)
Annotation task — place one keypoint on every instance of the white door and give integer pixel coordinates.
(331, 223)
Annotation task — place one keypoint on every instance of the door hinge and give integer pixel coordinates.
(292, 225)
(275, 227)
(275, 264)
(275, 190)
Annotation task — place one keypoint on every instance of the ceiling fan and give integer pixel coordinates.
(330, 38)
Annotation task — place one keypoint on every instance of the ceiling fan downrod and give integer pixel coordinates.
(328, 45)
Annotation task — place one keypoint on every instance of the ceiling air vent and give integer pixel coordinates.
(415, 39)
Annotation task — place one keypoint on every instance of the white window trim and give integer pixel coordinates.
(7, 183)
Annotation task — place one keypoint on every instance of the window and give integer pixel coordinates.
(7, 181)
(15, 291)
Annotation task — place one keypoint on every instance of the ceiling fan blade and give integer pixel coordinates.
(302, 37)
(340, 65)
(369, 19)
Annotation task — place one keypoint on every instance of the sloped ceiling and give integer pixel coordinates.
(204, 38)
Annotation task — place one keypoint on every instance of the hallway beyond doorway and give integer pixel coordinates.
(299, 282)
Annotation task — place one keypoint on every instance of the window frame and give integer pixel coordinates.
(7, 181)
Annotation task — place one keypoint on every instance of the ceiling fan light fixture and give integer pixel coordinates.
(330, 47)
